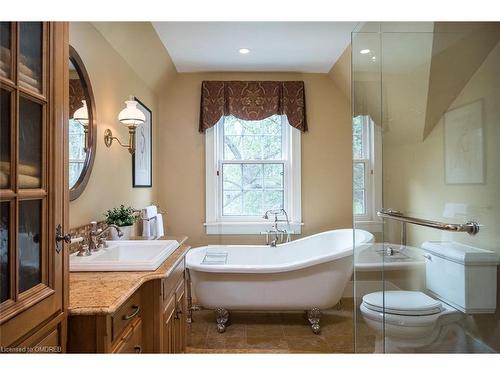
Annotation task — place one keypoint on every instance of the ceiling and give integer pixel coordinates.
(309, 47)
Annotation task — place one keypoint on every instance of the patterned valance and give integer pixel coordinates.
(76, 95)
(252, 100)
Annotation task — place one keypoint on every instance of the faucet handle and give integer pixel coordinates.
(84, 251)
(101, 243)
(93, 226)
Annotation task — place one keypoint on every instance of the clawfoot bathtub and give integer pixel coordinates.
(306, 274)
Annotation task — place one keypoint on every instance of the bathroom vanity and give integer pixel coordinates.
(130, 312)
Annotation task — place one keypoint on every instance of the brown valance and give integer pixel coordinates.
(76, 95)
(252, 100)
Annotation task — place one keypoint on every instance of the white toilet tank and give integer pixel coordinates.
(462, 276)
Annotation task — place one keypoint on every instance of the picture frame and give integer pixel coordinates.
(142, 159)
(463, 144)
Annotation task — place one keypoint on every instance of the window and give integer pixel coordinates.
(366, 161)
(249, 171)
(76, 151)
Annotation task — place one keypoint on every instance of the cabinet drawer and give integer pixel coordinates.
(131, 340)
(170, 282)
(128, 311)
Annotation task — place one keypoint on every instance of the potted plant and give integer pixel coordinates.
(122, 217)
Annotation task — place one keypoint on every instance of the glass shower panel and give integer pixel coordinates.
(439, 95)
(366, 122)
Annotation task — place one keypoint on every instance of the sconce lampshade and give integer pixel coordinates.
(82, 114)
(131, 115)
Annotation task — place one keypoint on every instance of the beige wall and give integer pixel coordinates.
(113, 80)
(414, 182)
(341, 73)
(141, 47)
(326, 156)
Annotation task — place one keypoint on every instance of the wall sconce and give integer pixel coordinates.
(81, 116)
(130, 116)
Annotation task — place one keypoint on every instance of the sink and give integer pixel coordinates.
(134, 255)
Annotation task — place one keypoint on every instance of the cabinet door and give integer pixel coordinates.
(168, 326)
(180, 319)
(33, 69)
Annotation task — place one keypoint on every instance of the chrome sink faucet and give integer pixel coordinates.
(96, 240)
(278, 233)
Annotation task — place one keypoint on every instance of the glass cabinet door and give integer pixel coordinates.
(6, 55)
(30, 56)
(5, 239)
(31, 270)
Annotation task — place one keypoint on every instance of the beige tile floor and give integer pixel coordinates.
(261, 332)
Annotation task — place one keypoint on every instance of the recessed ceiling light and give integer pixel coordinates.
(364, 51)
(244, 51)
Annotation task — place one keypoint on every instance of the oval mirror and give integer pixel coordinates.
(82, 126)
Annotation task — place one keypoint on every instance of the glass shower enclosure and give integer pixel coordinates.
(426, 182)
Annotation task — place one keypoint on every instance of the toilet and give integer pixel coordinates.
(459, 279)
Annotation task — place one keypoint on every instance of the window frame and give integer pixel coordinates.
(215, 222)
(80, 160)
(372, 142)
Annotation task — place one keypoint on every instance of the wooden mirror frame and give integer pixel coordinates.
(82, 181)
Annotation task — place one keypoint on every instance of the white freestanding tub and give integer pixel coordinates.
(307, 274)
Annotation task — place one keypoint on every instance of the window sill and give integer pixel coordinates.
(248, 227)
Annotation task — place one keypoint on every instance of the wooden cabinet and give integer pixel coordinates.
(123, 316)
(131, 341)
(168, 329)
(174, 321)
(33, 183)
(152, 320)
(180, 319)
(119, 332)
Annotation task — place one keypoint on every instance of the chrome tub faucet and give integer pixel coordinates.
(278, 233)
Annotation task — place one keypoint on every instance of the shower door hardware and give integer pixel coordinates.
(471, 227)
(60, 237)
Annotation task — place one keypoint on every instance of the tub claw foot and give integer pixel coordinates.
(221, 328)
(222, 317)
(313, 316)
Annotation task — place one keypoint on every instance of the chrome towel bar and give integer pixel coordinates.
(470, 227)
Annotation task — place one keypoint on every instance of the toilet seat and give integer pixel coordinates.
(402, 302)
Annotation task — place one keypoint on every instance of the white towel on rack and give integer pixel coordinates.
(146, 228)
(159, 226)
(149, 212)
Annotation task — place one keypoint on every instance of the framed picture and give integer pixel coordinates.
(463, 144)
(142, 159)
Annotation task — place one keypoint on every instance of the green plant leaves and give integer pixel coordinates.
(121, 216)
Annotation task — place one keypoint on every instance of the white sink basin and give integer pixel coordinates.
(125, 256)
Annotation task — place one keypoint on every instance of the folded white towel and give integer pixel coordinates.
(146, 228)
(149, 212)
(152, 227)
(159, 226)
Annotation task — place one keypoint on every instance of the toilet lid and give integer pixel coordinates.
(402, 302)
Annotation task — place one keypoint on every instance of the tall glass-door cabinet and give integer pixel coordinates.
(33, 271)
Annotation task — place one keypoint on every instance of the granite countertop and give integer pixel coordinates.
(99, 293)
